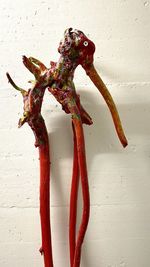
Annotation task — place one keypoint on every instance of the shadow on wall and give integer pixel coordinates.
(100, 138)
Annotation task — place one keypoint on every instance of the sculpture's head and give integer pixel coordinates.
(76, 47)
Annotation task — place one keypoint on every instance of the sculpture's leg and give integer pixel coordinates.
(37, 124)
(77, 123)
(44, 158)
(73, 201)
(85, 189)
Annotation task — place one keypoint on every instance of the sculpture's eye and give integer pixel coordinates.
(85, 43)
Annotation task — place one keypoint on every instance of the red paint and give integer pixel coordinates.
(85, 190)
(46, 248)
(73, 201)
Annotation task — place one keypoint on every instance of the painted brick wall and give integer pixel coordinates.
(119, 230)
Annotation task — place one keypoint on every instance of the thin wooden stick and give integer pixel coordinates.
(73, 201)
(85, 189)
(42, 142)
(44, 158)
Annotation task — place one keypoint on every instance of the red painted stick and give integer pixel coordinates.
(37, 124)
(44, 158)
(73, 202)
(40, 132)
(85, 189)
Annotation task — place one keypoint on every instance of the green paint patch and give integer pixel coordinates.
(76, 116)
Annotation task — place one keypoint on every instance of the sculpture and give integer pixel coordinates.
(74, 49)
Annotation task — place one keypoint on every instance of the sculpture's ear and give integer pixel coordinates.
(67, 42)
(65, 45)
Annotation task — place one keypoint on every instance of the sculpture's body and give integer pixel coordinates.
(75, 49)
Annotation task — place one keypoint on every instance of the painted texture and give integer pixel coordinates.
(119, 229)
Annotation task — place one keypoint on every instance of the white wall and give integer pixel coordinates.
(119, 230)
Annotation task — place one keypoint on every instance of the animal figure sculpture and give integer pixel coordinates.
(75, 49)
